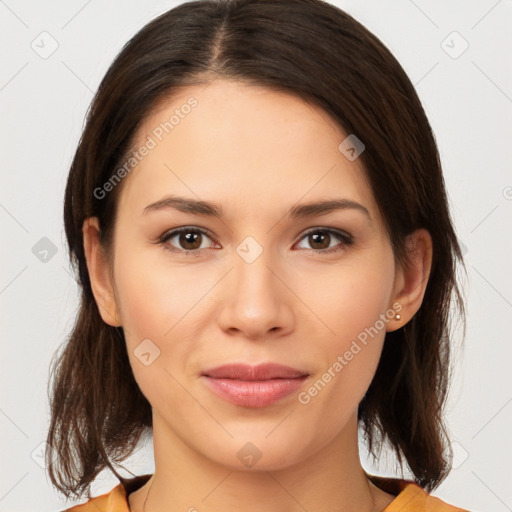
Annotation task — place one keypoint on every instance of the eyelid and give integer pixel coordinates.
(325, 229)
(346, 238)
(171, 233)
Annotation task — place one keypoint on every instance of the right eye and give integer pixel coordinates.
(189, 238)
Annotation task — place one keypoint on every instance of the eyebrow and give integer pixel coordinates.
(197, 207)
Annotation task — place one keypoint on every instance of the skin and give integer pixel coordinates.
(256, 152)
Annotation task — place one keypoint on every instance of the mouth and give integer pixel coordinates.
(247, 372)
(254, 386)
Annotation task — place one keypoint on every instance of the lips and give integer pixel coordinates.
(248, 372)
(253, 386)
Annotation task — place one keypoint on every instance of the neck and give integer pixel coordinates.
(330, 479)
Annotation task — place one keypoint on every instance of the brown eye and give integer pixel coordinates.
(188, 241)
(320, 240)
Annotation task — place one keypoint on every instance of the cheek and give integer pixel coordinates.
(350, 297)
(153, 298)
(153, 304)
(353, 304)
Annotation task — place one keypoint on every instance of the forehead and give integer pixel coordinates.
(249, 148)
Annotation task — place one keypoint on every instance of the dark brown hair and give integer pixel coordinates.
(316, 51)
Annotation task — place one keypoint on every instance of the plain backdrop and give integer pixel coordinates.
(53, 56)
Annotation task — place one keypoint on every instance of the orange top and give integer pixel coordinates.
(410, 497)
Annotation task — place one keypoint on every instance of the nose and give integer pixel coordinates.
(256, 300)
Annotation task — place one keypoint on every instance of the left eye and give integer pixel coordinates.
(318, 236)
(190, 240)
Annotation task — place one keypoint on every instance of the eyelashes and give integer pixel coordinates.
(344, 238)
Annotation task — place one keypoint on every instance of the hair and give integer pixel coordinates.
(316, 51)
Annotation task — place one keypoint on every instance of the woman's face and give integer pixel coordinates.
(255, 291)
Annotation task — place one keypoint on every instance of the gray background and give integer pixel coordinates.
(43, 100)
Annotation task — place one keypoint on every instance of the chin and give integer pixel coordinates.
(256, 453)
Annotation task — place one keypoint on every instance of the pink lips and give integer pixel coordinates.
(254, 386)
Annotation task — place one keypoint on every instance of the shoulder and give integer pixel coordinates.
(112, 501)
(115, 500)
(411, 497)
(414, 499)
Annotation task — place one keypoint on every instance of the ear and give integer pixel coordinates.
(411, 281)
(99, 272)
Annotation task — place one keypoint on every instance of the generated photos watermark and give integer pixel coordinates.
(140, 153)
(305, 397)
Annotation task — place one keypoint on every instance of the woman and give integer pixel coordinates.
(259, 221)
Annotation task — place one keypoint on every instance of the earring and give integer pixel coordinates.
(398, 316)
